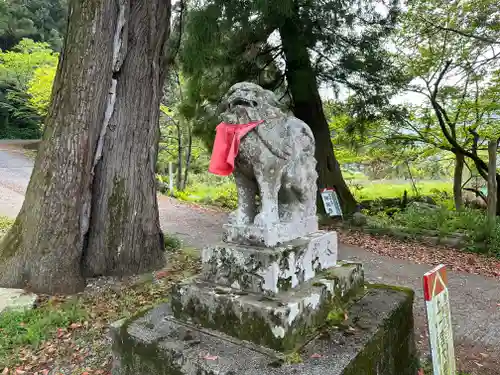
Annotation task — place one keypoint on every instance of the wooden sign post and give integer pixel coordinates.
(439, 321)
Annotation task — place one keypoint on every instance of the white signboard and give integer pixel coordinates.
(331, 202)
(439, 321)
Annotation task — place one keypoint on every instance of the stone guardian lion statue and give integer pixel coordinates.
(275, 160)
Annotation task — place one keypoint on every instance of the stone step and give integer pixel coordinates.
(380, 342)
(283, 322)
(270, 270)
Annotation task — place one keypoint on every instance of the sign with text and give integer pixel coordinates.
(331, 202)
(439, 321)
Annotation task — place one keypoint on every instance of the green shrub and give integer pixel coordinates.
(5, 224)
(418, 220)
(172, 242)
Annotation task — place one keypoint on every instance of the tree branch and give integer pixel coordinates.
(464, 33)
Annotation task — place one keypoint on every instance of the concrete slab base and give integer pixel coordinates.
(377, 338)
(16, 300)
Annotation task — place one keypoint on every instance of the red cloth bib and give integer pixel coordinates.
(226, 146)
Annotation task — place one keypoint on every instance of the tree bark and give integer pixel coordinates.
(457, 180)
(308, 107)
(90, 207)
(189, 151)
(492, 181)
(179, 155)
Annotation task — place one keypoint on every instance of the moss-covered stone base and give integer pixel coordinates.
(283, 322)
(377, 339)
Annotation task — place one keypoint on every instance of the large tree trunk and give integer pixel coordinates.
(90, 208)
(308, 107)
(492, 181)
(457, 180)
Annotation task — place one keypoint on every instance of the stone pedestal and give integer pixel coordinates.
(377, 338)
(254, 308)
(275, 296)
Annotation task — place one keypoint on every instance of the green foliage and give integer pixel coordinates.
(18, 120)
(230, 41)
(25, 85)
(210, 190)
(40, 20)
(31, 327)
(442, 221)
(18, 66)
(448, 51)
(371, 190)
(40, 88)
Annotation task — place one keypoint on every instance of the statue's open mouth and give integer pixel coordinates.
(242, 103)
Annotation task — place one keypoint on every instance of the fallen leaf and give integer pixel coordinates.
(75, 325)
(162, 274)
(209, 357)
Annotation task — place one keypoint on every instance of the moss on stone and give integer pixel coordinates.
(139, 357)
(406, 290)
(251, 325)
(285, 284)
(391, 350)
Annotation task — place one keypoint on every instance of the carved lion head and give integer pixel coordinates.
(246, 102)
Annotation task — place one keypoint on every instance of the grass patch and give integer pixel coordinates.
(31, 327)
(371, 190)
(68, 335)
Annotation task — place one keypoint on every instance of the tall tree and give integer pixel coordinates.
(456, 75)
(291, 47)
(90, 206)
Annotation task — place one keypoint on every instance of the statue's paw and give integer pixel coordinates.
(233, 217)
(238, 218)
(265, 220)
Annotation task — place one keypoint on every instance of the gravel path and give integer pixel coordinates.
(475, 299)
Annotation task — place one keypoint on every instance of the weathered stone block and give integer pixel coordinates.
(380, 341)
(269, 236)
(16, 299)
(270, 270)
(283, 322)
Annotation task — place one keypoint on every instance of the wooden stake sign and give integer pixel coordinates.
(439, 321)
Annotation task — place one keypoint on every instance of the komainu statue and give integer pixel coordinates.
(273, 157)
